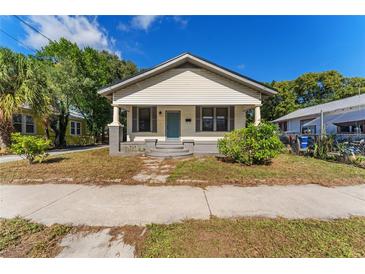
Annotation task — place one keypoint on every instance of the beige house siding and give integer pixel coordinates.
(187, 128)
(187, 86)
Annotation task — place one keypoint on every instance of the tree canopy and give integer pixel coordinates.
(310, 89)
(59, 78)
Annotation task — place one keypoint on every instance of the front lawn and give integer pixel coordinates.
(285, 169)
(256, 237)
(94, 166)
(244, 237)
(22, 238)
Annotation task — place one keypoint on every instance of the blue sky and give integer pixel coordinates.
(262, 47)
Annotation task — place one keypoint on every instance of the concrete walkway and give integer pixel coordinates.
(121, 205)
(12, 158)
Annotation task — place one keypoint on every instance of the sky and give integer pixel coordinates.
(265, 48)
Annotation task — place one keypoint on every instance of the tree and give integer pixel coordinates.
(74, 76)
(281, 103)
(22, 82)
(310, 89)
(63, 67)
(100, 68)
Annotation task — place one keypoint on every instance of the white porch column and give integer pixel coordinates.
(115, 117)
(115, 133)
(257, 116)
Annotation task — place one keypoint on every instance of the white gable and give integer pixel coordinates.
(187, 86)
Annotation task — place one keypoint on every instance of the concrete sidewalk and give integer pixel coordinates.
(12, 158)
(121, 205)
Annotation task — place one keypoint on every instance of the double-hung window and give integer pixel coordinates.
(24, 123)
(215, 119)
(221, 119)
(208, 119)
(29, 124)
(17, 122)
(75, 128)
(144, 119)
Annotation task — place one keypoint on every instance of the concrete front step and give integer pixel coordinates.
(165, 146)
(163, 153)
(170, 150)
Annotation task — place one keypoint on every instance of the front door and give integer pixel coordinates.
(172, 124)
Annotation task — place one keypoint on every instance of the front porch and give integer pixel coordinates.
(175, 130)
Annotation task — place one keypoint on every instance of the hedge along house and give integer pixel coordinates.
(181, 106)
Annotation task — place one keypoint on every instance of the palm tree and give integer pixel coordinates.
(22, 82)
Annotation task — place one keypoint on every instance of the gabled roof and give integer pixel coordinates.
(195, 60)
(345, 103)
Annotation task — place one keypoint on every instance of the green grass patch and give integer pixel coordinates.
(285, 169)
(22, 238)
(256, 237)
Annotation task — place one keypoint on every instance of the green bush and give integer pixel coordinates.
(30, 147)
(322, 147)
(252, 145)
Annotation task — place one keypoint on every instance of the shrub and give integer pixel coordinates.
(322, 147)
(252, 145)
(30, 147)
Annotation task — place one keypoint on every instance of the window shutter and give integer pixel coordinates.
(154, 118)
(197, 118)
(134, 119)
(231, 118)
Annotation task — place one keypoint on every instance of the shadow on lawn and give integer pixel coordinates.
(54, 160)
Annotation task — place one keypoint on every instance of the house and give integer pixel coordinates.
(186, 103)
(345, 116)
(26, 122)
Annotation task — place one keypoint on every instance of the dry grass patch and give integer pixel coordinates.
(21, 238)
(256, 237)
(285, 169)
(94, 166)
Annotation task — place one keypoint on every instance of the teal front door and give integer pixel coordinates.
(173, 124)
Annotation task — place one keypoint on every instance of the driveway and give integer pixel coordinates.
(12, 158)
(139, 205)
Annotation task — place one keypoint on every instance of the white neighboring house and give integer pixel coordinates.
(186, 102)
(345, 116)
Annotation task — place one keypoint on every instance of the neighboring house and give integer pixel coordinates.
(187, 102)
(345, 116)
(25, 122)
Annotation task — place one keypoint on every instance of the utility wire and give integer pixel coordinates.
(33, 28)
(22, 44)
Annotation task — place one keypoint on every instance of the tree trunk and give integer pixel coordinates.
(63, 121)
(5, 132)
(46, 128)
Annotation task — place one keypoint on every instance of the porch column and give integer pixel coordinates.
(115, 133)
(257, 116)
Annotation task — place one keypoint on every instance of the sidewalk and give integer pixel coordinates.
(139, 205)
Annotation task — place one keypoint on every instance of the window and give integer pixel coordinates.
(144, 119)
(17, 122)
(215, 119)
(350, 128)
(208, 119)
(29, 124)
(75, 128)
(222, 119)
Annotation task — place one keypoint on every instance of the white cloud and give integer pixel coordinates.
(123, 27)
(181, 21)
(78, 29)
(143, 22)
(241, 66)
